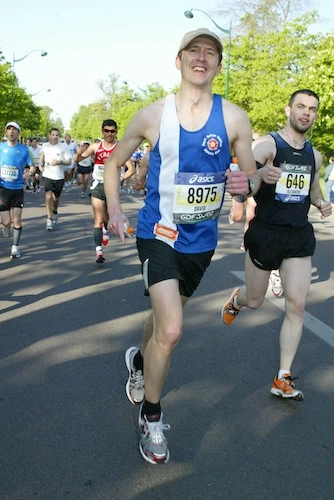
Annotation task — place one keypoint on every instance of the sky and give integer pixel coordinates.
(86, 41)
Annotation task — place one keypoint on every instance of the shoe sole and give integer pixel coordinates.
(127, 385)
(158, 461)
(279, 294)
(100, 260)
(280, 394)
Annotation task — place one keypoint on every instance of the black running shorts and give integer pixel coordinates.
(98, 192)
(269, 245)
(161, 262)
(10, 198)
(56, 186)
(84, 170)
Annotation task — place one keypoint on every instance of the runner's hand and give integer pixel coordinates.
(116, 225)
(325, 208)
(237, 183)
(269, 173)
(137, 184)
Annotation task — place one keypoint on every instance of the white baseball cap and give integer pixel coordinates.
(13, 124)
(191, 35)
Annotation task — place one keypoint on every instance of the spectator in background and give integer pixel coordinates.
(329, 177)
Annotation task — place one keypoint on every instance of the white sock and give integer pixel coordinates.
(281, 373)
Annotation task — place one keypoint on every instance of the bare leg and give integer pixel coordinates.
(238, 210)
(49, 204)
(296, 279)
(252, 295)
(250, 212)
(163, 331)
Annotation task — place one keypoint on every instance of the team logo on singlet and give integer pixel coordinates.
(212, 144)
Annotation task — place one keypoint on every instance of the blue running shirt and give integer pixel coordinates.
(13, 159)
(186, 182)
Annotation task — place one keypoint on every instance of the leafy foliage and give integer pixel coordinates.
(266, 68)
(119, 102)
(17, 104)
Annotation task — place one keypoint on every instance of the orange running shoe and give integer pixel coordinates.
(230, 311)
(285, 388)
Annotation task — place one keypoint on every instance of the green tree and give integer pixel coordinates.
(319, 77)
(266, 68)
(5, 90)
(118, 102)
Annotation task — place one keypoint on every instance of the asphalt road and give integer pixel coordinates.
(67, 428)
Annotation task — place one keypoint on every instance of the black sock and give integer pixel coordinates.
(16, 235)
(138, 361)
(54, 211)
(98, 236)
(152, 411)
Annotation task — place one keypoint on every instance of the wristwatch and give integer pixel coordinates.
(251, 187)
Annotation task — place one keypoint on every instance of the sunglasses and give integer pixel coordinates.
(109, 131)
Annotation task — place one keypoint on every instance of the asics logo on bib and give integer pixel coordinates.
(292, 198)
(200, 179)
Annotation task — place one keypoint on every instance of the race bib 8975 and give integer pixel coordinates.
(197, 196)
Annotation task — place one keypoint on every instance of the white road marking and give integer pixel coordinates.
(135, 200)
(316, 326)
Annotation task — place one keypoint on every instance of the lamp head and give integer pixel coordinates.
(44, 53)
(188, 14)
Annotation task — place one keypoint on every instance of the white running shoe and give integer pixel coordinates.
(49, 225)
(153, 444)
(15, 252)
(55, 218)
(99, 256)
(275, 283)
(135, 389)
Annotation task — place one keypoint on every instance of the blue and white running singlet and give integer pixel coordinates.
(13, 159)
(186, 182)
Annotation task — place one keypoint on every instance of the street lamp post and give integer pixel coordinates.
(43, 53)
(189, 14)
(40, 90)
(141, 90)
